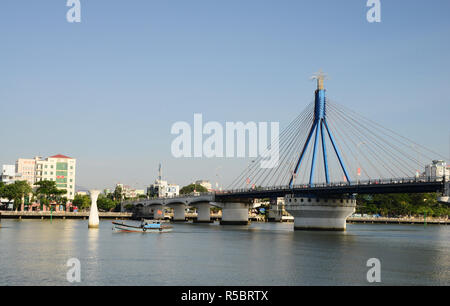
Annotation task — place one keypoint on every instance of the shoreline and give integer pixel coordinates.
(128, 216)
(60, 215)
(384, 220)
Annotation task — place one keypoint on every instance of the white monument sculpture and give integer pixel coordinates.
(93, 215)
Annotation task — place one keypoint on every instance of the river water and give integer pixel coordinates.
(35, 252)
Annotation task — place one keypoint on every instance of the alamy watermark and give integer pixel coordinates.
(74, 13)
(190, 142)
(374, 13)
(374, 273)
(73, 275)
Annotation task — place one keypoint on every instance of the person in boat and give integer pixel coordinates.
(143, 222)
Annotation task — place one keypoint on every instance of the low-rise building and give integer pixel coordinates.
(58, 168)
(8, 174)
(130, 192)
(161, 189)
(437, 169)
(204, 183)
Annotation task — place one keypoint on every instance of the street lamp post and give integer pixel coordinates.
(358, 171)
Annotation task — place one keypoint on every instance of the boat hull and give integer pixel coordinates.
(120, 227)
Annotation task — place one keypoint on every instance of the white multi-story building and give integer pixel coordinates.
(129, 192)
(26, 168)
(58, 168)
(161, 189)
(8, 174)
(204, 183)
(437, 169)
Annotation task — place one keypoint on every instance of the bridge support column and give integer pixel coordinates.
(157, 211)
(276, 210)
(315, 213)
(445, 198)
(203, 213)
(179, 212)
(235, 214)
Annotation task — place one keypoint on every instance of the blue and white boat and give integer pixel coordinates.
(146, 226)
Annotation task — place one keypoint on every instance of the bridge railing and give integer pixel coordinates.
(196, 194)
(388, 181)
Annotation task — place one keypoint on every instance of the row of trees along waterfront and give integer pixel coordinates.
(402, 204)
(45, 193)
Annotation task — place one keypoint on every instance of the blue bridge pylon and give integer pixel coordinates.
(328, 143)
(318, 126)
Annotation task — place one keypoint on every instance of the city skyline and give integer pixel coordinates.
(72, 90)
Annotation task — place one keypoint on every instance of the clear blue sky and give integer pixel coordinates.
(108, 89)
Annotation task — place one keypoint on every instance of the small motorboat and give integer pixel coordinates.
(146, 226)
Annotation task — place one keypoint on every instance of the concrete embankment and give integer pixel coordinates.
(60, 215)
(398, 221)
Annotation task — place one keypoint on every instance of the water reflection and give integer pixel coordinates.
(36, 252)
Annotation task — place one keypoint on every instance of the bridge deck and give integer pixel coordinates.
(376, 187)
(407, 185)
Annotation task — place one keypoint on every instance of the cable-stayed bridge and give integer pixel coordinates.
(327, 154)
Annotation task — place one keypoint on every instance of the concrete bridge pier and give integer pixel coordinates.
(320, 213)
(203, 212)
(445, 198)
(179, 212)
(235, 213)
(157, 211)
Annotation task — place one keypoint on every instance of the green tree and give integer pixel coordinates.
(47, 192)
(117, 194)
(105, 203)
(82, 201)
(10, 192)
(190, 189)
(414, 204)
(16, 192)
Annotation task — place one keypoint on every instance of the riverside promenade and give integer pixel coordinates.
(61, 215)
(383, 220)
(193, 216)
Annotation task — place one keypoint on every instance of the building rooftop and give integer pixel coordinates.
(60, 156)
